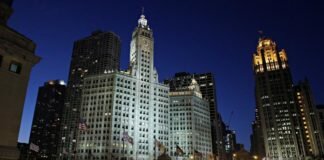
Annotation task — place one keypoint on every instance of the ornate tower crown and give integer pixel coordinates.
(142, 22)
(267, 58)
(194, 86)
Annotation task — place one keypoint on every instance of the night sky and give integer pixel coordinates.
(194, 36)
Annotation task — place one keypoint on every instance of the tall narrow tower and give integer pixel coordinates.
(310, 122)
(142, 53)
(275, 102)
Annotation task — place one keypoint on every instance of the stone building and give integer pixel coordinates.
(17, 58)
(123, 112)
(190, 127)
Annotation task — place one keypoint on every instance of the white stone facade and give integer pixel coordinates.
(132, 101)
(190, 124)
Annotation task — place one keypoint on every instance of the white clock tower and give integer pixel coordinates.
(142, 52)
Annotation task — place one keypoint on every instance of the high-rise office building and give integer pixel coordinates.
(310, 123)
(257, 141)
(190, 127)
(17, 58)
(45, 131)
(207, 87)
(96, 54)
(275, 103)
(124, 112)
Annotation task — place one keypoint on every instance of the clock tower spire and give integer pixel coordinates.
(141, 52)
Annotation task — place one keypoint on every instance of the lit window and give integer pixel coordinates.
(15, 67)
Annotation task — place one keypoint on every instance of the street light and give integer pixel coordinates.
(234, 156)
(255, 157)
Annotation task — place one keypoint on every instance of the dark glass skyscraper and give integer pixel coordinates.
(257, 141)
(206, 83)
(96, 54)
(275, 102)
(47, 119)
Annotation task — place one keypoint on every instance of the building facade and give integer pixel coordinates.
(124, 112)
(45, 131)
(275, 103)
(17, 58)
(320, 112)
(207, 87)
(96, 54)
(311, 128)
(230, 143)
(257, 140)
(190, 125)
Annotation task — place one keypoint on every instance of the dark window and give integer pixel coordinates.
(15, 67)
(0, 60)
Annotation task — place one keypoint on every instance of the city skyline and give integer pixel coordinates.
(57, 54)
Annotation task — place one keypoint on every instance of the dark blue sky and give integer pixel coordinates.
(194, 36)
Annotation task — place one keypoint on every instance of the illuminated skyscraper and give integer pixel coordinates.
(311, 128)
(123, 112)
(96, 54)
(190, 127)
(17, 58)
(275, 103)
(208, 90)
(47, 119)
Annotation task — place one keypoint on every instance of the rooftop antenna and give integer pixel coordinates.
(261, 34)
(142, 10)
